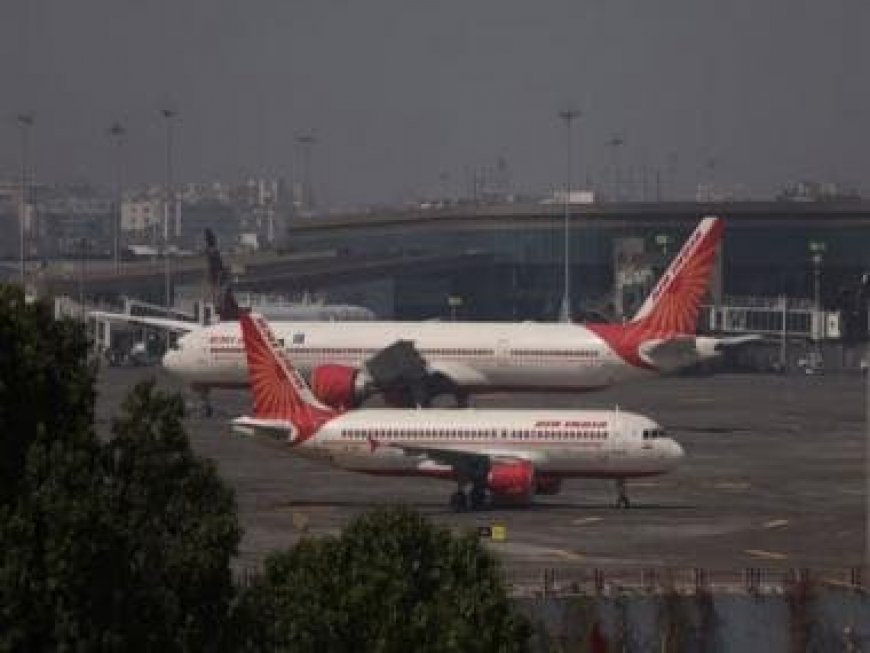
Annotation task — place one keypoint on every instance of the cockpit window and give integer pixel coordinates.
(653, 434)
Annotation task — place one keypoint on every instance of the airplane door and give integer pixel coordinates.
(502, 352)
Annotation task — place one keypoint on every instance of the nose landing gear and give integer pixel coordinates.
(622, 501)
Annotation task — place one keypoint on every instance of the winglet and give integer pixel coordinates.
(673, 305)
(279, 391)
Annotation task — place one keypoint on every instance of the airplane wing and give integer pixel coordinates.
(178, 326)
(275, 429)
(458, 457)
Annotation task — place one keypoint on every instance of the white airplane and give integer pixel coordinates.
(499, 455)
(342, 360)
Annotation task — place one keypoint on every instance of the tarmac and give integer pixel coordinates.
(774, 477)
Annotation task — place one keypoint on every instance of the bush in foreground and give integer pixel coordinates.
(390, 582)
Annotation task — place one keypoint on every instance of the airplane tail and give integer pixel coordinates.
(219, 281)
(279, 392)
(673, 305)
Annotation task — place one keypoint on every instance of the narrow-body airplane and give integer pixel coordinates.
(492, 455)
(473, 357)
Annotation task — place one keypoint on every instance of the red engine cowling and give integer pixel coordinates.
(512, 481)
(547, 484)
(338, 386)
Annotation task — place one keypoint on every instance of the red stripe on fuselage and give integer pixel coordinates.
(449, 475)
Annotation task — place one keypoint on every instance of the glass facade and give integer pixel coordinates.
(766, 251)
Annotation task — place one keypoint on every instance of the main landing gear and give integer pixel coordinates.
(622, 498)
(204, 407)
(474, 499)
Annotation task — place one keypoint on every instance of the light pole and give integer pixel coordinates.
(306, 142)
(168, 204)
(615, 142)
(83, 244)
(116, 133)
(568, 116)
(25, 122)
(817, 253)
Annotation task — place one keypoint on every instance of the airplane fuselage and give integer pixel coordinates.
(558, 444)
(477, 356)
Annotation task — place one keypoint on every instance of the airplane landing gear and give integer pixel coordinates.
(477, 497)
(203, 407)
(622, 498)
(458, 501)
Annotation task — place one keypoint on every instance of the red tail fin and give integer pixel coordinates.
(673, 305)
(279, 392)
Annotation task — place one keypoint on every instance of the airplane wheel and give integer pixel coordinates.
(623, 502)
(478, 498)
(458, 502)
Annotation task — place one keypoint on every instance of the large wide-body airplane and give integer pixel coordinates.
(345, 361)
(492, 455)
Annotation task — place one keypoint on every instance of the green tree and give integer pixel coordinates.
(178, 517)
(117, 545)
(46, 383)
(390, 582)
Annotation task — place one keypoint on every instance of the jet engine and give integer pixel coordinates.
(511, 481)
(340, 386)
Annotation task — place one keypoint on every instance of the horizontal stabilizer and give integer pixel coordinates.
(736, 341)
(670, 354)
(276, 429)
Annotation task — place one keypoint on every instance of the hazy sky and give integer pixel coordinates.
(408, 97)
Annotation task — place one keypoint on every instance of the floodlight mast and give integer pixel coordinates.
(565, 314)
(25, 122)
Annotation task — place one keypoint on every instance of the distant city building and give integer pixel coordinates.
(256, 206)
(817, 191)
(142, 217)
(70, 221)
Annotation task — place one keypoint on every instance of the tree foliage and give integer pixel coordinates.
(116, 545)
(46, 383)
(390, 582)
(121, 544)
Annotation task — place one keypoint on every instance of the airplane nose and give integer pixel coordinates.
(171, 362)
(675, 451)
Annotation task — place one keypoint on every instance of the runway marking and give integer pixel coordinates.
(569, 555)
(742, 485)
(776, 523)
(767, 555)
(586, 520)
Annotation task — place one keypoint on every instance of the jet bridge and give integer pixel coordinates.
(777, 317)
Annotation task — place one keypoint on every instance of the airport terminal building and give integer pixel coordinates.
(797, 249)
